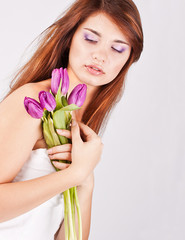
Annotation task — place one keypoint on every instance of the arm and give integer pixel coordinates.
(19, 132)
(85, 190)
(85, 193)
(20, 197)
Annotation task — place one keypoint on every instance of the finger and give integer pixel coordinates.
(87, 131)
(64, 132)
(75, 131)
(60, 148)
(60, 165)
(74, 115)
(61, 156)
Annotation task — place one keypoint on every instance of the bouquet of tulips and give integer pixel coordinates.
(55, 110)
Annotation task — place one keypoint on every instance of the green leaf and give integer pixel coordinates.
(70, 107)
(58, 97)
(68, 118)
(59, 119)
(63, 139)
(51, 93)
(45, 113)
(53, 133)
(64, 101)
(59, 122)
(47, 134)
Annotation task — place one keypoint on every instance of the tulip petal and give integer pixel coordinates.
(78, 95)
(47, 100)
(74, 94)
(55, 80)
(81, 95)
(33, 107)
(65, 82)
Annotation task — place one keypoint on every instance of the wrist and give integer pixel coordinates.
(88, 183)
(76, 174)
(73, 176)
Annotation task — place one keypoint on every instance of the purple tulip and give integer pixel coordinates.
(55, 80)
(33, 107)
(65, 80)
(47, 101)
(78, 95)
(57, 76)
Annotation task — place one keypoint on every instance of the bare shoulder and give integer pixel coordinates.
(19, 131)
(28, 90)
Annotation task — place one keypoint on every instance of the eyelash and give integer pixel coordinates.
(119, 51)
(90, 40)
(94, 42)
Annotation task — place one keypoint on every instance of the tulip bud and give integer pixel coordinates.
(47, 101)
(78, 95)
(65, 80)
(33, 107)
(55, 80)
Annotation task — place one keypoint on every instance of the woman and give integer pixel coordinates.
(97, 41)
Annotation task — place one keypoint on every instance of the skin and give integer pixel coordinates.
(100, 51)
(98, 42)
(26, 134)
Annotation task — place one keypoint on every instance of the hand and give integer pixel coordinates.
(84, 155)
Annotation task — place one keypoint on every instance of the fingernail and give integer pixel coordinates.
(59, 131)
(49, 151)
(74, 122)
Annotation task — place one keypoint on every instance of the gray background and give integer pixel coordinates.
(140, 182)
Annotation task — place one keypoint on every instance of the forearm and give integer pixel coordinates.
(20, 197)
(85, 193)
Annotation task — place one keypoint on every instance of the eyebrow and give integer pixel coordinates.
(99, 35)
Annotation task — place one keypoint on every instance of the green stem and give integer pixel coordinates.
(70, 195)
(65, 217)
(78, 213)
(72, 191)
(70, 215)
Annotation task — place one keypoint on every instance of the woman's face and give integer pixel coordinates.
(98, 51)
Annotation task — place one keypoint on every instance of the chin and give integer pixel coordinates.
(92, 83)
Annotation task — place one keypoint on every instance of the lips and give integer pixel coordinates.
(94, 69)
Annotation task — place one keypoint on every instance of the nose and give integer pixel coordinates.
(99, 56)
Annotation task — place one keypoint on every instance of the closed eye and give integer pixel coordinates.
(90, 38)
(119, 50)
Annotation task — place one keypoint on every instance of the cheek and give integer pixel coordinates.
(78, 48)
(74, 49)
(118, 64)
(116, 68)
(77, 54)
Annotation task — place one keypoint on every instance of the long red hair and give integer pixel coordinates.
(53, 51)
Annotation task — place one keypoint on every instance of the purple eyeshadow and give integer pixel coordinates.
(122, 50)
(86, 36)
(118, 49)
(89, 37)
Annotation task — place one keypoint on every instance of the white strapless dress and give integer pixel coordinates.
(42, 222)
